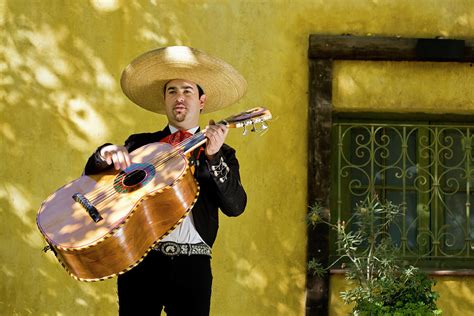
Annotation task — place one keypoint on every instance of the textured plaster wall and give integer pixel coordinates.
(405, 87)
(60, 62)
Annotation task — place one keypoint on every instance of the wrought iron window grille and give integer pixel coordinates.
(428, 169)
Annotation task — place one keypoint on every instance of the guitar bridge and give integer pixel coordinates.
(91, 210)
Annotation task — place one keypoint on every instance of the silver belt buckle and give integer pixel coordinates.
(170, 248)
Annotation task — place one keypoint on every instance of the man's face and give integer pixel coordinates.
(183, 104)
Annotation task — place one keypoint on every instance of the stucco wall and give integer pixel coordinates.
(60, 98)
(404, 87)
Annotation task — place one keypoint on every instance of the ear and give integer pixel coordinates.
(202, 101)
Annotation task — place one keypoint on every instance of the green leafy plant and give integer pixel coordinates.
(383, 285)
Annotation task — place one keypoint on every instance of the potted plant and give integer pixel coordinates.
(383, 285)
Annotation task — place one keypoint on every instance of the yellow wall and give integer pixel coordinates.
(405, 87)
(59, 98)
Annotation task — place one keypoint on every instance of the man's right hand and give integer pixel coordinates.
(118, 155)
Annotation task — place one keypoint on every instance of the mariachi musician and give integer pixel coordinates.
(181, 83)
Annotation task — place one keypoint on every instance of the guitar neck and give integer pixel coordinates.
(196, 140)
(193, 142)
(244, 119)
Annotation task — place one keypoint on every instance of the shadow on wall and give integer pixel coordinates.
(454, 294)
(251, 271)
(60, 93)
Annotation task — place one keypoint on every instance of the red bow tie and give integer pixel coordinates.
(176, 137)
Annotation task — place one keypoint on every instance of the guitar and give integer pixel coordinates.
(103, 225)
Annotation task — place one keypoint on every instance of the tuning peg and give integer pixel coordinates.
(254, 129)
(245, 132)
(263, 128)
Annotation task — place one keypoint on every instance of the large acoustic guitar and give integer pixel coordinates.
(103, 225)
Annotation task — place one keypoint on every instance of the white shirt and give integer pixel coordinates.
(186, 232)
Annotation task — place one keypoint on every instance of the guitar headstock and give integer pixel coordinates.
(252, 117)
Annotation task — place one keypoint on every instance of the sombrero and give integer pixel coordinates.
(144, 78)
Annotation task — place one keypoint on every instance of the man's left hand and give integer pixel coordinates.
(215, 134)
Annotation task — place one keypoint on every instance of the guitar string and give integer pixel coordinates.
(156, 162)
(98, 195)
(102, 197)
(179, 148)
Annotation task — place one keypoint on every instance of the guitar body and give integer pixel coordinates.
(137, 208)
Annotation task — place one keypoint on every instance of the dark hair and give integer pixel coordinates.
(200, 90)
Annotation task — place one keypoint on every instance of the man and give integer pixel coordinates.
(181, 83)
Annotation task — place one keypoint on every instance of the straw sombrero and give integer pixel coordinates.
(144, 79)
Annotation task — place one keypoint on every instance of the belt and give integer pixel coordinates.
(170, 248)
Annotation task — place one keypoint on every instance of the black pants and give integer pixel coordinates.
(180, 284)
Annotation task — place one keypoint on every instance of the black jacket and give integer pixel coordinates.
(215, 191)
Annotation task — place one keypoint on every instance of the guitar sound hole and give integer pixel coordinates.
(134, 178)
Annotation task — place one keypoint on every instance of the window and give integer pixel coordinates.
(431, 228)
(428, 169)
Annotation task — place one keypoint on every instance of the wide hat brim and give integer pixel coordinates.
(143, 80)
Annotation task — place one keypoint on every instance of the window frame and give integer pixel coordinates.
(322, 51)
